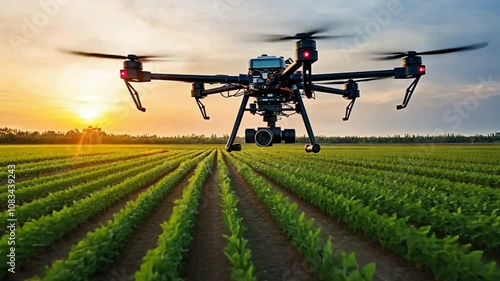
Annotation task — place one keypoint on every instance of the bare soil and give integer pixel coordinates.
(205, 260)
(273, 254)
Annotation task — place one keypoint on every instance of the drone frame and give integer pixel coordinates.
(305, 55)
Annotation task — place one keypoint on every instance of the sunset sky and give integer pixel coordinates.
(44, 89)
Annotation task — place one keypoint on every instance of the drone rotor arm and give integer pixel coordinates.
(353, 75)
(323, 89)
(222, 89)
(223, 79)
(358, 80)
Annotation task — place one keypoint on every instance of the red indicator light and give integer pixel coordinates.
(306, 54)
(421, 69)
(122, 73)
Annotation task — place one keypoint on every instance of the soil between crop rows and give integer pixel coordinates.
(205, 260)
(273, 254)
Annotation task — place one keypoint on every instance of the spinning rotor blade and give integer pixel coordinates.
(360, 80)
(111, 56)
(398, 55)
(311, 34)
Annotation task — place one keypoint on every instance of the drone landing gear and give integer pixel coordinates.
(348, 110)
(231, 146)
(314, 146)
(135, 96)
(203, 111)
(409, 93)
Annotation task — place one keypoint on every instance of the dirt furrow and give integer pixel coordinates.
(205, 260)
(35, 265)
(273, 254)
(143, 238)
(390, 266)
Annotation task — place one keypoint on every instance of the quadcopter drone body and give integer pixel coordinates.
(277, 86)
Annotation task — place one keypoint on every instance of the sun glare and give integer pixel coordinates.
(89, 112)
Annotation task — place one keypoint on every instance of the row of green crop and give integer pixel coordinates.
(487, 155)
(447, 259)
(103, 244)
(237, 250)
(445, 154)
(431, 191)
(47, 229)
(35, 169)
(321, 258)
(491, 180)
(164, 261)
(416, 158)
(482, 230)
(57, 200)
(42, 156)
(440, 164)
(89, 176)
(74, 173)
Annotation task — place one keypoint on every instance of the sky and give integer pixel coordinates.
(42, 88)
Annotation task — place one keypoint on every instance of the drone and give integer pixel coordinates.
(277, 85)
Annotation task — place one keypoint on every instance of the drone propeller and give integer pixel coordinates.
(311, 34)
(398, 55)
(360, 80)
(110, 56)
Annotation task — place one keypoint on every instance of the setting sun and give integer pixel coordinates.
(90, 112)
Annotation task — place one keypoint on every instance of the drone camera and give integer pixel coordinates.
(264, 137)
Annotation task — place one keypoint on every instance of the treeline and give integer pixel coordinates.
(407, 138)
(94, 135)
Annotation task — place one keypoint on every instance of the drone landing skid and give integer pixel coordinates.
(409, 93)
(203, 111)
(135, 96)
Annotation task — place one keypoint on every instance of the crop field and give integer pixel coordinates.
(196, 212)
